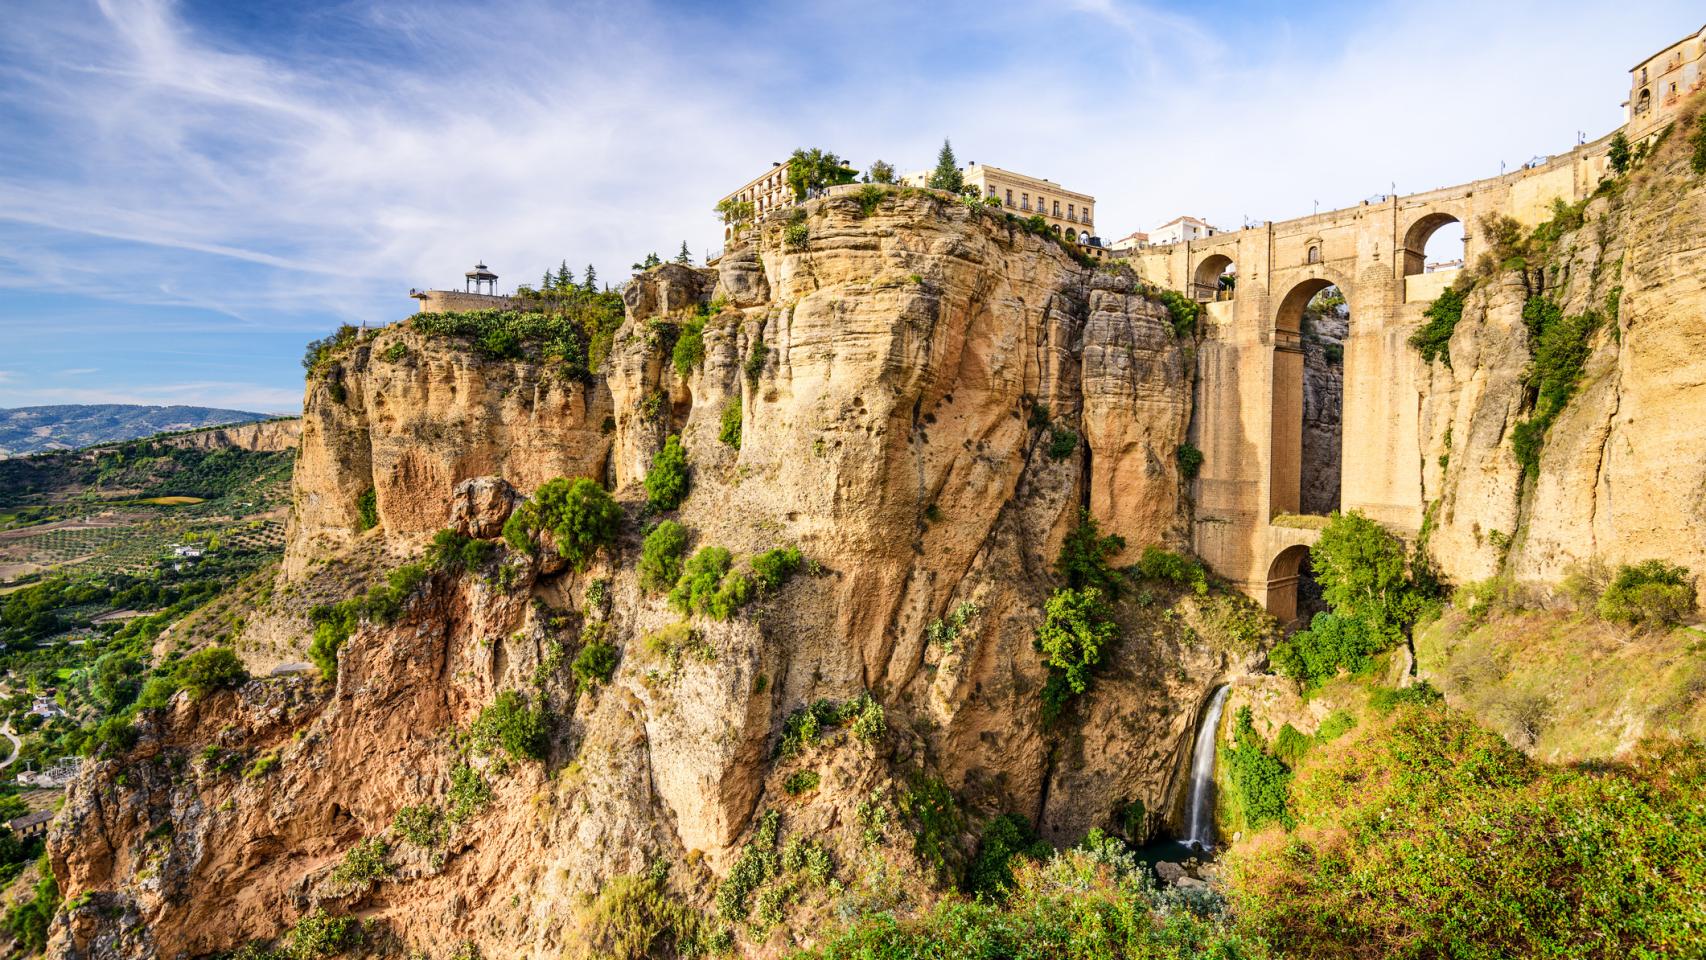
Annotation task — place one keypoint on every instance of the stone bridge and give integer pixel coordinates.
(1249, 407)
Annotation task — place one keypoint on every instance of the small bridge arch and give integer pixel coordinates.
(1422, 229)
(1283, 575)
(1215, 278)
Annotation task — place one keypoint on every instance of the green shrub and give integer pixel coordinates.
(1651, 593)
(1290, 744)
(509, 723)
(1083, 560)
(1190, 460)
(796, 236)
(571, 326)
(869, 198)
(363, 865)
(395, 352)
(754, 366)
(936, 821)
(1077, 626)
(944, 632)
(754, 867)
(367, 510)
(262, 765)
(801, 781)
(1004, 837)
(689, 350)
(383, 603)
(1697, 161)
(728, 430)
(28, 921)
(772, 568)
(1061, 442)
(1433, 338)
(451, 550)
(468, 795)
(1332, 642)
(1619, 152)
(660, 556)
(1365, 575)
(211, 670)
(579, 515)
(595, 664)
(666, 481)
(422, 825)
(1174, 568)
(318, 934)
(1184, 311)
(636, 916)
(1337, 724)
(709, 586)
(1261, 781)
(1384, 700)
(323, 350)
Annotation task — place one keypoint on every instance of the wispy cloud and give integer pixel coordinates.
(288, 167)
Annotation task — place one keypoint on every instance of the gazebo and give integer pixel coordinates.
(481, 274)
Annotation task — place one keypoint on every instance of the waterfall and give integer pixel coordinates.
(1200, 812)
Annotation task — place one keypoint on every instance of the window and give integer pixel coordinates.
(1071, 212)
(1086, 214)
(1025, 203)
(992, 189)
(1009, 198)
(1057, 208)
(1314, 254)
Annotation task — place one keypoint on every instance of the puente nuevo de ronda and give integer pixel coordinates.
(1247, 420)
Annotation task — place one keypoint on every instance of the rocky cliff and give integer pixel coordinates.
(1619, 477)
(927, 397)
(262, 436)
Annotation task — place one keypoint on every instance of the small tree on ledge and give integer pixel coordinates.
(947, 174)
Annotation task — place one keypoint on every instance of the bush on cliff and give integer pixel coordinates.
(1559, 347)
(728, 429)
(580, 516)
(1258, 777)
(511, 724)
(660, 556)
(1651, 593)
(666, 481)
(689, 350)
(1433, 339)
(1077, 626)
(708, 585)
(211, 670)
(452, 551)
(333, 623)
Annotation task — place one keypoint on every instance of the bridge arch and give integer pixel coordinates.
(1283, 576)
(1215, 278)
(1417, 236)
(1290, 461)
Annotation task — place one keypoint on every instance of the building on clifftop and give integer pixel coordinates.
(1659, 84)
(1066, 211)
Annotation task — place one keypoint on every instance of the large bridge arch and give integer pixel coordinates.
(1285, 440)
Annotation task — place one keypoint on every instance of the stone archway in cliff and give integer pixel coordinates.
(1436, 238)
(1293, 595)
(1307, 401)
(1216, 278)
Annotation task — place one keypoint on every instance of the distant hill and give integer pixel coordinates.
(70, 426)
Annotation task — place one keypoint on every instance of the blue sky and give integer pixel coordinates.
(190, 191)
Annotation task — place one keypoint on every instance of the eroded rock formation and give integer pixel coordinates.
(929, 396)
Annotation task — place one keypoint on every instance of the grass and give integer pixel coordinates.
(172, 501)
(1567, 686)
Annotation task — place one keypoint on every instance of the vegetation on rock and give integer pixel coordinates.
(578, 514)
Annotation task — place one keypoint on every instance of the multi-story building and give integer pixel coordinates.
(1067, 211)
(766, 192)
(1659, 84)
(1180, 229)
(1132, 241)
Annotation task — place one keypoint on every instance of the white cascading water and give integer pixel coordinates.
(1200, 811)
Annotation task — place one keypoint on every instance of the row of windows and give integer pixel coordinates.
(1042, 205)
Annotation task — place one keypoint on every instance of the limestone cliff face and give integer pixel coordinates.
(1621, 478)
(907, 376)
(262, 436)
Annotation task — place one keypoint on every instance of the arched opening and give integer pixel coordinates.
(1216, 278)
(1294, 598)
(1644, 102)
(1435, 242)
(1308, 399)
(1314, 253)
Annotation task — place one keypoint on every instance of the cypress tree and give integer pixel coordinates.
(947, 174)
(591, 284)
(685, 256)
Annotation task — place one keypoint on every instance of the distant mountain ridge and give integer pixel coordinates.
(25, 430)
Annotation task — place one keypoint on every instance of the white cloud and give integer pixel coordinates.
(212, 393)
(179, 169)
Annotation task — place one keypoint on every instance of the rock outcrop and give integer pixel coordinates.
(1619, 477)
(928, 399)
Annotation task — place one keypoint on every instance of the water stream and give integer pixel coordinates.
(1199, 811)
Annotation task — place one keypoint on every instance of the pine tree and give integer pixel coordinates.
(947, 174)
(565, 277)
(591, 284)
(547, 283)
(685, 257)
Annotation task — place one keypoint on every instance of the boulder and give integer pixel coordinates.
(480, 505)
(1169, 872)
